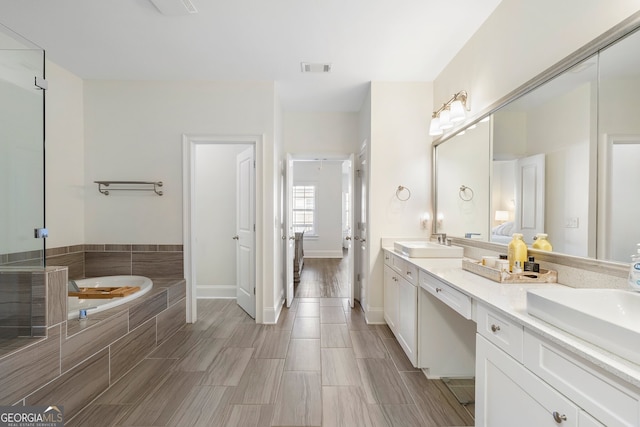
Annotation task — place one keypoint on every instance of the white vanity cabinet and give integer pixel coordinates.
(401, 302)
(507, 394)
(523, 379)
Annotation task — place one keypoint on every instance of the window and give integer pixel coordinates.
(304, 208)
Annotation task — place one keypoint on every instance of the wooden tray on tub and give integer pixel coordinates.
(104, 293)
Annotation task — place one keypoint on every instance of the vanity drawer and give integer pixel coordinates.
(403, 267)
(501, 331)
(458, 301)
(605, 397)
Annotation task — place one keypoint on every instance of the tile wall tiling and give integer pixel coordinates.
(170, 320)
(56, 295)
(158, 264)
(176, 289)
(27, 258)
(74, 261)
(77, 388)
(15, 302)
(30, 367)
(38, 302)
(144, 248)
(151, 307)
(91, 260)
(129, 350)
(171, 248)
(117, 248)
(83, 344)
(98, 264)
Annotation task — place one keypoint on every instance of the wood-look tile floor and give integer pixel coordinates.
(321, 365)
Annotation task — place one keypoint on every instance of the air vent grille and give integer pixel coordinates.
(308, 67)
(175, 7)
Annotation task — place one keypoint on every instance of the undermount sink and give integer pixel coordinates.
(425, 249)
(608, 318)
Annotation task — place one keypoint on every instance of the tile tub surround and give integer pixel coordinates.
(94, 260)
(88, 357)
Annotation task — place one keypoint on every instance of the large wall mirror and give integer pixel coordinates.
(561, 159)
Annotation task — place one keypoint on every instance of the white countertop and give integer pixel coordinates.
(511, 301)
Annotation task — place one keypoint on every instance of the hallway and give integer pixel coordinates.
(320, 365)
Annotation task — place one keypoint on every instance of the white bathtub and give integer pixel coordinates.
(75, 304)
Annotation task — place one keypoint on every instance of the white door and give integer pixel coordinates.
(361, 228)
(350, 256)
(530, 196)
(289, 236)
(245, 232)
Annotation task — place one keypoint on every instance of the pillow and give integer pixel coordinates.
(503, 229)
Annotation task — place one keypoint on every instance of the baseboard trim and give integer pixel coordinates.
(323, 254)
(221, 292)
(375, 316)
(270, 315)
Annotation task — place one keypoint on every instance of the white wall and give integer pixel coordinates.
(327, 177)
(321, 133)
(399, 155)
(215, 219)
(65, 184)
(521, 39)
(133, 131)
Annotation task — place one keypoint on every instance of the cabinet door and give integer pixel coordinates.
(391, 298)
(587, 420)
(408, 318)
(507, 394)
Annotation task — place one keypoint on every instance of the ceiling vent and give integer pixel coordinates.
(308, 67)
(175, 7)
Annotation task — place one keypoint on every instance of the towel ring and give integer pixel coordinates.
(400, 191)
(463, 193)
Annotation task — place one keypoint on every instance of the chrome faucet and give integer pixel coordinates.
(442, 238)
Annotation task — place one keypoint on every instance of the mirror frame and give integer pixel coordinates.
(608, 38)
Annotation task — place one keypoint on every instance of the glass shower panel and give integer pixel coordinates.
(21, 152)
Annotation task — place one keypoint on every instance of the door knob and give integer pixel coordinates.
(363, 240)
(348, 238)
(236, 237)
(284, 237)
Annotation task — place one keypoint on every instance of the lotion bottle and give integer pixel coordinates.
(517, 250)
(634, 271)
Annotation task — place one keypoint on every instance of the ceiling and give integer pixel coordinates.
(258, 40)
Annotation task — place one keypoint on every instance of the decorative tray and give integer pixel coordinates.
(104, 293)
(476, 267)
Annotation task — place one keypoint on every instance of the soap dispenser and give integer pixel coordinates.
(634, 270)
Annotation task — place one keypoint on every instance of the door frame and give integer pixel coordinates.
(330, 157)
(189, 143)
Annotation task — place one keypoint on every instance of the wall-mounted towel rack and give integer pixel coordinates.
(140, 186)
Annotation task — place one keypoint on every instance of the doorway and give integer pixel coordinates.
(219, 221)
(320, 222)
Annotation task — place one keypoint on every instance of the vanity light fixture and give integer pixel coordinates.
(453, 111)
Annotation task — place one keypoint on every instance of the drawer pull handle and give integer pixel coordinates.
(438, 289)
(559, 418)
(496, 328)
(408, 273)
